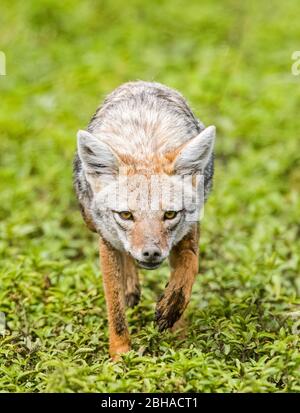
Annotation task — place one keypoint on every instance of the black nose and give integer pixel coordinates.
(151, 254)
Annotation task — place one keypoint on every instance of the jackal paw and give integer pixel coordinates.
(116, 352)
(132, 298)
(169, 309)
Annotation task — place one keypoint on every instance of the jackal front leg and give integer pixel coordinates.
(184, 267)
(113, 281)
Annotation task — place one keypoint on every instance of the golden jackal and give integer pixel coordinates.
(136, 177)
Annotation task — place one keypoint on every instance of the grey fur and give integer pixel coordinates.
(141, 118)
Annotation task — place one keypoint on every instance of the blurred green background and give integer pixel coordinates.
(232, 60)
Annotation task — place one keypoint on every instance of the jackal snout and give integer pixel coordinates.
(149, 242)
(152, 257)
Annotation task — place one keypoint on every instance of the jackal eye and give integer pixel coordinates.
(170, 214)
(126, 215)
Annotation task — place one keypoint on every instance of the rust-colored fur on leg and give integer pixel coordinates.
(184, 264)
(131, 281)
(113, 281)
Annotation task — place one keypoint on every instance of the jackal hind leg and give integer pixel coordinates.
(131, 281)
(184, 267)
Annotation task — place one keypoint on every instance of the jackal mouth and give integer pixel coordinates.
(148, 265)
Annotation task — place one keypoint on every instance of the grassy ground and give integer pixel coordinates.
(232, 60)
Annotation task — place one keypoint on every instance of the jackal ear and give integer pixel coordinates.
(96, 156)
(196, 153)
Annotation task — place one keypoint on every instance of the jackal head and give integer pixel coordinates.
(144, 205)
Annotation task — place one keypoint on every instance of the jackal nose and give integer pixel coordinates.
(151, 254)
